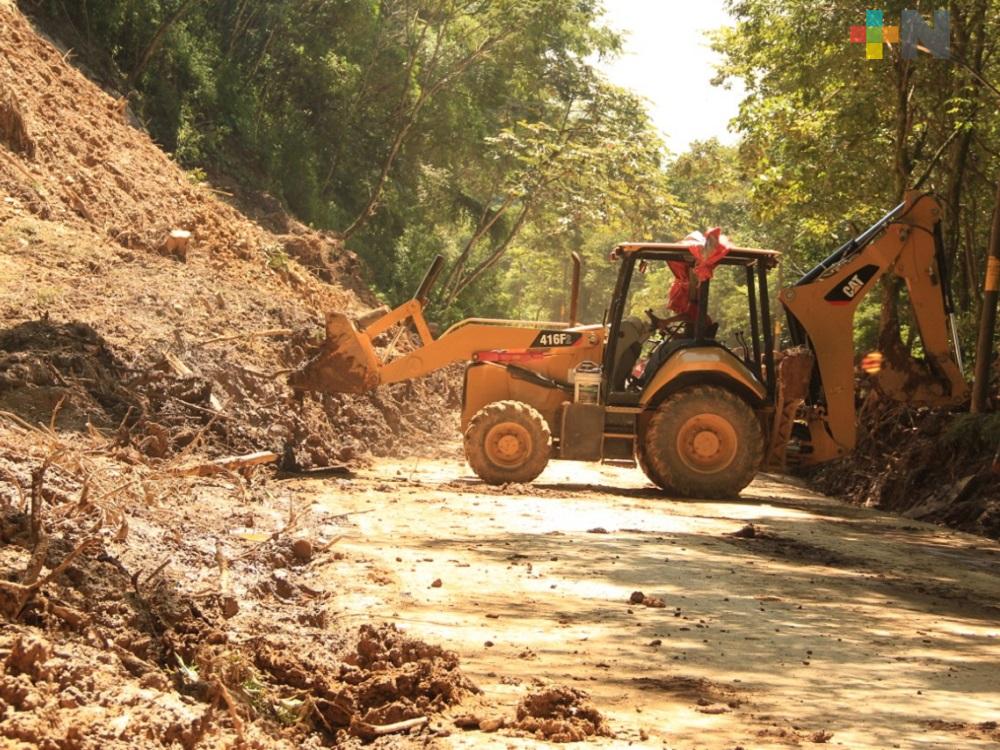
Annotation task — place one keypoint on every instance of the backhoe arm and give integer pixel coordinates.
(821, 309)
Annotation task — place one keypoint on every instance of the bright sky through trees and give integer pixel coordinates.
(667, 60)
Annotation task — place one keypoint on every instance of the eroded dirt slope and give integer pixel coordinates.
(88, 202)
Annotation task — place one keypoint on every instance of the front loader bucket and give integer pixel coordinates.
(345, 362)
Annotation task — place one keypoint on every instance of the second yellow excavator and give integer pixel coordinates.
(700, 418)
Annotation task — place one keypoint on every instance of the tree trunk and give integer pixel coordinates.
(969, 34)
(428, 90)
(495, 255)
(890, 342)
(156, 42)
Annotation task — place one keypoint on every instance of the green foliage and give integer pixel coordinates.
(482, 131)
(830, 140)
(277, 258)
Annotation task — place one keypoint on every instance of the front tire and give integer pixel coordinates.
(507, 441)
(703, 442)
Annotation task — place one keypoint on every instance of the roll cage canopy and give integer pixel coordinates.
(737, 256)
(756, 262)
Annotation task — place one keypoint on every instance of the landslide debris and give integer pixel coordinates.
(141, 607)
(927, 464)
(86, 213)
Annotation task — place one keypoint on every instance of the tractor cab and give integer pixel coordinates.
(698, 339)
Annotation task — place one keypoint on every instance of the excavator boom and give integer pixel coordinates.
(821, 307)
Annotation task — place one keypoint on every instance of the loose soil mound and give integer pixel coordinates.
(134, 604)
(560, 714)
(924, 464)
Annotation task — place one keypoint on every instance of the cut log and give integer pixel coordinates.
(370, 732)
(177, 244)
(229, 463)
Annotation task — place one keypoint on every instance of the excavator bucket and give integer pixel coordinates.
(344, 363)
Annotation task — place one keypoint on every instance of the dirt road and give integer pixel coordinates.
(833, 624)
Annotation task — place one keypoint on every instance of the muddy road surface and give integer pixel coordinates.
(782, 619)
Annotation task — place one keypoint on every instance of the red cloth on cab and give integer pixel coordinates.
(708, 250)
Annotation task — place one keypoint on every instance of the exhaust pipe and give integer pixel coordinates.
(574, 295)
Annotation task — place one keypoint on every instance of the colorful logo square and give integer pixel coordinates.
(874, 34)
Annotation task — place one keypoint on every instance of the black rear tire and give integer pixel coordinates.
(647, 468)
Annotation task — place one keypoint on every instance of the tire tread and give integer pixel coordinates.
(507, 411)
(662, 430)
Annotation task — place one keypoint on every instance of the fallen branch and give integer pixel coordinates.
(55, 413)
(188, 404)
(152, 575)
(223, 693)
(37, 483)
(16, 420)
(12, 478)
(27, 592)
(230, 463)
(371, 732)
(37, 560)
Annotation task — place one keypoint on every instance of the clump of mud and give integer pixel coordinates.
(43, 364)
(560, 714)
(65, 375)
(381, 678)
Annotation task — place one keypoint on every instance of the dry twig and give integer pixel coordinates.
(223, 692)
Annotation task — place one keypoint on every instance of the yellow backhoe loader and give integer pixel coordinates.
(700, 418)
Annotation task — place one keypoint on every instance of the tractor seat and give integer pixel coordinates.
(667, 348)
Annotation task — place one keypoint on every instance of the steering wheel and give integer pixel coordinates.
(671, 328)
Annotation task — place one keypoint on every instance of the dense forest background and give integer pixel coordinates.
(481, 129)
